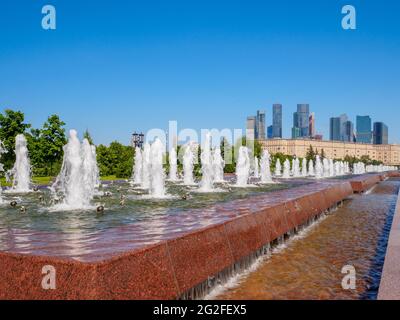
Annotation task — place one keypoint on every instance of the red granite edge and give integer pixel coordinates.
(168, 269)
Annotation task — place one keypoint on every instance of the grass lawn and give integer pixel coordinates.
(48, 180)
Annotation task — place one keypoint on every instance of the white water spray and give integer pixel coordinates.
(173, 165)
(286, 169)
(206, 184)
(188, 161)
(218, 166)
(78, 176)
(243, 167)
(265, 173)
(21, 172)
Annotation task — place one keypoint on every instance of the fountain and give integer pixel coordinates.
(319, 168)
(188, 160)
(278, 168)
(265, 173)
(327, 168)
(145, 183)
(331, 168)
(21, 172)
(137, 167)
(218, 166)
(173, 165)
(296, 168)
(256, 168)
(157, 175)
(78, 176)
(311, 171)
(304, 172)
(286, 169)
(206, 183)
(243, 167)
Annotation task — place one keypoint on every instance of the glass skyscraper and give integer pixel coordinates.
(260, 125)
(364, 129)
(381, 133)
(301, 120)
(335, 129)
(277, 121)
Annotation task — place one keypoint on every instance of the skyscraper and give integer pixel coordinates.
(364, 132)
(251, 128)
(335, 129)
(270, 132)
(301, 120)
(343, 120)
(260, 125)
(349, 132)
(277, 121)
(311, 124)
(381, 133)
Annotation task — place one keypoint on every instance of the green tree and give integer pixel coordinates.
(11, 124)
(52, 140)
(86, 135)
(115, 159)
(311, 155)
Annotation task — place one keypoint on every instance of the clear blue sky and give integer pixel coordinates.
(118, 66)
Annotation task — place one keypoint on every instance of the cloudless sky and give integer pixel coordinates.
(118, 66)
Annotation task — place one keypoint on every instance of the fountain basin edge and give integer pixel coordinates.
(170, 269)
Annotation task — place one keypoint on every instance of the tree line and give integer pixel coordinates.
(45, 147)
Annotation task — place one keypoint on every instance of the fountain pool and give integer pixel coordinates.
(85, 235)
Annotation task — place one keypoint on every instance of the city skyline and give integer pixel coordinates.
(341, 128)
(153, 63)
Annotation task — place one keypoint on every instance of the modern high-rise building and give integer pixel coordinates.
(364, 130)
(251, 128)
(335, 129)
(301, 120)
(260, 125)
(349, 132)
(255, 126)
(341, 129)
(296, 133)
(343, 120)
(277, 121)
(311, 125)
(381, 133)
(270, 132)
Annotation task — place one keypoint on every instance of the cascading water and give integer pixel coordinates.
(78, 176)
(21, 172)
(138, 166)
(145, 183)
(188, 162)
(218, 166)
(173, 165)
(265, 173)
(206, 184)
(278, 168)
(286, 169)
(304, 172)
(157, 175)
(243, 167)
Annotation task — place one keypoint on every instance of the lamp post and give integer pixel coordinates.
(137, 140)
